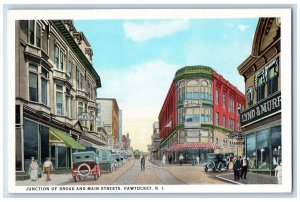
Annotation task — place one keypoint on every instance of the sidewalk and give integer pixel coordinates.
(252, 178)
(56, 179)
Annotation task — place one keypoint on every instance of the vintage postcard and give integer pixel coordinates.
(149, 101)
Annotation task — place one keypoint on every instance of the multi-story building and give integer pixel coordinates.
(55, 83)
(261, 119)
(155, 142)
(109, 116)
(189, 121)
(120, 126)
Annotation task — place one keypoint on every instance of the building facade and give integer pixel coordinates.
(261, 119)
(195, 117)
(55, 83)
(109, 117)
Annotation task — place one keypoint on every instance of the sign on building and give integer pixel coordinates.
(85, 116)
(192, 103)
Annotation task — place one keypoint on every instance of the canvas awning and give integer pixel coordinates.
(193, 145)
(58, 137)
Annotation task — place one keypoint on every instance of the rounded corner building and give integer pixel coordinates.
(200, 109)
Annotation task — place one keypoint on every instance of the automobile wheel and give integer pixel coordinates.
(86, 172)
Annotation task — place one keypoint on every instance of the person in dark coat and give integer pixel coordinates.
(236, 169)
(142, 163)
(244, 167)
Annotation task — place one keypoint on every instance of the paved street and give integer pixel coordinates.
(130, 173)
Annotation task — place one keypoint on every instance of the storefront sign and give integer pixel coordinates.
(192, 103)
(192, 124)
(85, 117)
(261, 110)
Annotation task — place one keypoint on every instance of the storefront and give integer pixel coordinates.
(41, 141)
(261, 124)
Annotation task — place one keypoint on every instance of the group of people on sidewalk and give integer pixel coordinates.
(240, 168)
(35, 170)
(195, 159)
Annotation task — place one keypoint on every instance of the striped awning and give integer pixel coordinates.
(193, 145)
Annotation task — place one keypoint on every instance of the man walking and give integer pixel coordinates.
(236, 169)
(244, 164)
(47, 168)
(142, 163)
(181, 159)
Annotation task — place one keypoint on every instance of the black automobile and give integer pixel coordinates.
(216, 162)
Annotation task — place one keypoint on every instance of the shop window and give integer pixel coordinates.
(251, 150)
(44, 138)
(62, 156)
(34, 29)
(276, 145)
(262, 149)
(30, 142)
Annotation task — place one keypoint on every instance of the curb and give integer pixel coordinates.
(227, 180)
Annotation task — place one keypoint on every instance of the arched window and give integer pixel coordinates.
(181, 91)
(206, 90)
(192, 90)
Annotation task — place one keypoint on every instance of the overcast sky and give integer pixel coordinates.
(137, 60)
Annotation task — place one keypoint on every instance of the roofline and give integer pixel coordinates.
(62, 30)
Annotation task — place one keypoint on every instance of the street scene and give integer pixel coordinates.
(148, 102)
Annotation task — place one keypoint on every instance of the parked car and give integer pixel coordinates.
(107, 160)
(216, 162)
(85, 164)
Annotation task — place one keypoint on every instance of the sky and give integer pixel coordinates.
(137, 60)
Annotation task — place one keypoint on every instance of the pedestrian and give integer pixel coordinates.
(181, 159)
(47, 169)
(244, 167)
(163, 161)
(169, 159)
(236, 168)
(278, 172)
(33, 169)
(142, 163)
(193, 160)
(197, 160)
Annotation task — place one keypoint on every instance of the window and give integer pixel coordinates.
(33, 83)
(250, 96)
(224, 121)
(79, 79)
(206, 115)
(34, 29)
(59, 57)
(181, 92)
(231, 124)
(44, 86)
(206, 90)
(180, 116)
(224, 100)
(91, 122)
(70, 69)
(59, 100)
(231, 105)
(67, 102)
(193, 90)
(260, 88)
(217, 118)
(192, 115)
(272, 81)
(217, 97)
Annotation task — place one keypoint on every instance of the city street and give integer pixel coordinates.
(131, 174)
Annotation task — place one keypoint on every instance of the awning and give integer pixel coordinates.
(193, 145)
(58, 137)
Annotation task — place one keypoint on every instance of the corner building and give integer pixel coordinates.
(189, 121)
(261, 119)
(55, 83)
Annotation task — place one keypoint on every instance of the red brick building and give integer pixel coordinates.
(227, 100)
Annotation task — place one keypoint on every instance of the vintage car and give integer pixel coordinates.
(216, 162)
(85, 164)
(107, 160)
